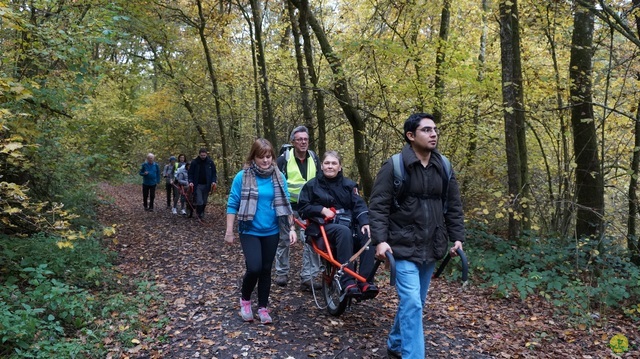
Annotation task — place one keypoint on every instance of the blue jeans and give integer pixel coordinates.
(412, 284)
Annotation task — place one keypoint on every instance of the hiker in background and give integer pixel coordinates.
(182, 179)
(182, 160)
(334, 200)
(299, 164)
(169, 174)
(150, 172)
(415, 229)
(259, 199)
(202, 180)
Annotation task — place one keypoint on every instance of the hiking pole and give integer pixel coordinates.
(465, 265)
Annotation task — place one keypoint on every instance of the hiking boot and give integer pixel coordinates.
(265, 318)
(281, 280)
(306, 285)
(352, 291)
(393, 353)
(174, 211)
(369, 290)
(245, 310)
(183, 212)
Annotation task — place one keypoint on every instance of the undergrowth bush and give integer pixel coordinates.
(587, 278)
(64, 302)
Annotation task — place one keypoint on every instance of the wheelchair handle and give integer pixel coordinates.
(392, 269)
(463, 260)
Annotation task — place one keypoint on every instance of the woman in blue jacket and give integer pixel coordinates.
(259, 199)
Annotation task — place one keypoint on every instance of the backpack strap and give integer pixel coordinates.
(446, 177)
(314, 156)
(399, 173)
(400, 179)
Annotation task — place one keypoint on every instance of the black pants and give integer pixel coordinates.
(148, 191)
(259, 253)
(170, 187)
(341, 237)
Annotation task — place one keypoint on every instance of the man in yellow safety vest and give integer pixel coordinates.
(299, 164)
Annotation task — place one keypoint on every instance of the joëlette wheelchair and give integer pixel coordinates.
(332, 270)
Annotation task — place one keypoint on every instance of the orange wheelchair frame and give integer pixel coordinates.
(332, 270)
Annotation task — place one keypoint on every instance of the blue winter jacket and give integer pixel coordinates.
(265, 222)
(153, 177)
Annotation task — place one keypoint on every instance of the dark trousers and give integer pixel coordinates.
(170, 187)
(259, 253)
(341, 238)
(148, 192)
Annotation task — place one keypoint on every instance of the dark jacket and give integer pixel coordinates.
(209, 169)
(339, 192)
(419, 230)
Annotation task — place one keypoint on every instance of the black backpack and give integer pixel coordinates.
(401, 179)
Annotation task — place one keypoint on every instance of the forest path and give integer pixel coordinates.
(199, 277)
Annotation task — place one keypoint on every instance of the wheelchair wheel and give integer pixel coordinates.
(331, 291)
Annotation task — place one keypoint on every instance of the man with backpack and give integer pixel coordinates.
(299, 164)
(202, 180)
(414, 211)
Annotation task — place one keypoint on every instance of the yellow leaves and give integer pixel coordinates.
(64, 244)
(109, 231)
(619, 343)
(11, 146)
(11, 210)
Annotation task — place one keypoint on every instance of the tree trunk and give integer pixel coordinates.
(482, 58)
(561, 218)
(256, 81)
(302, 76)
(440, 60)
(318, 95)
(214, 90)
(589, 182)
(268, 123)
(511, 97)
(521, 126)
(341, 92)
(632, 237)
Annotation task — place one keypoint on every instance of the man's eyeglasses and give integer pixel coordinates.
(429, 130)
(301, 139)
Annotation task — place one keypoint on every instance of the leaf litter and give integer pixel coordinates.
(199, 276)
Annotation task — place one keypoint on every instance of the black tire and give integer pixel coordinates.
(331, 291)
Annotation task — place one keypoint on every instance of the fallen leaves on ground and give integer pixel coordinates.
(199, 277)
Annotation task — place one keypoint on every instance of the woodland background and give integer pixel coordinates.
(537, 102)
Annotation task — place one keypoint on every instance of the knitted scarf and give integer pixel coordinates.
(249, 196)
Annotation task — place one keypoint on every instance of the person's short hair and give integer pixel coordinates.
(260, 147)
(202, 149)
(298, 130)
(333, 154)
(172, 158)
(412, 123)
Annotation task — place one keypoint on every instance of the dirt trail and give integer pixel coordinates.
(199, 278)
